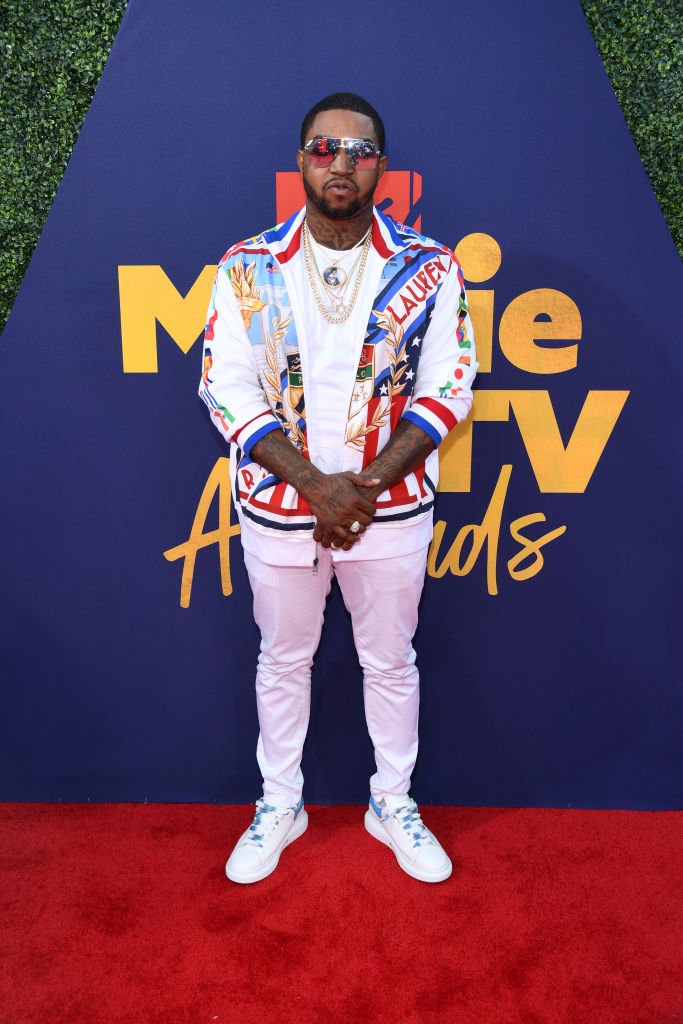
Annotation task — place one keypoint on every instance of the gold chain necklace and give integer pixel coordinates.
(346, 308)
(335, 276)
(335, 293)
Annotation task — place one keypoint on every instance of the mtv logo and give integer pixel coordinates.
(398, 194)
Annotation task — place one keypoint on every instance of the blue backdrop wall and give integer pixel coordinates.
(550, 626)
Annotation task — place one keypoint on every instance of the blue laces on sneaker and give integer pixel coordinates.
(265, 820)
(412, 823)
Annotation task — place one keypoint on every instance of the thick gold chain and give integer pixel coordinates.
(309, 258)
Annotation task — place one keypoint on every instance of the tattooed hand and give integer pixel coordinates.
(405, 451)
(337, 502)
(332, 498)
(339, 499)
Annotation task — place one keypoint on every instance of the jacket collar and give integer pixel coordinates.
(284, 240)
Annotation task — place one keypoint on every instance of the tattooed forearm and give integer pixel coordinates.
(407, 448)
(278, 455)
(333, 498)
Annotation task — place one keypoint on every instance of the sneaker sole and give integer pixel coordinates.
(297, 829)
(377, 831)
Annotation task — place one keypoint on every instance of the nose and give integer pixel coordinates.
(341, 163)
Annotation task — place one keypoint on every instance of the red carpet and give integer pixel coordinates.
(120, 912)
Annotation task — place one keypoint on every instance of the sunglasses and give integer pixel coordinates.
(322, 151)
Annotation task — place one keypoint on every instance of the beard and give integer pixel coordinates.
(335, 212)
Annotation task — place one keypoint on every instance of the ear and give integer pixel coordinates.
(300, 159)
(381, 167)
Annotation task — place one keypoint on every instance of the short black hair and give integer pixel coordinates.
(345, 101)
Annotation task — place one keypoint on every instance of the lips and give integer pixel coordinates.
(340, 187)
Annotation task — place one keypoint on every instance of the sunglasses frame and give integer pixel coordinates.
(341, 143)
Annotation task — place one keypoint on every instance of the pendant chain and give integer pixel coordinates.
(345, 308)
(336, 291)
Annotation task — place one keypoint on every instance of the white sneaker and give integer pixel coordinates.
(396, 822)
(258, 850)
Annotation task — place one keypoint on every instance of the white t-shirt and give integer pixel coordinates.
(329, 360)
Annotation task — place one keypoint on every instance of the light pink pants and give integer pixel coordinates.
(289, 602)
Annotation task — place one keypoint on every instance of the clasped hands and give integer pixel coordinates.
(343, 500)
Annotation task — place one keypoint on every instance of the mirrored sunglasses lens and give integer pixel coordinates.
(323, 151)
(362, 154)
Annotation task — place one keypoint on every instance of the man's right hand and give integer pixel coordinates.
(336, 499)
(336, 502)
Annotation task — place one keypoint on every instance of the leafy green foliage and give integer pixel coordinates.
(51, 59)
(641, 45)
(53, 53)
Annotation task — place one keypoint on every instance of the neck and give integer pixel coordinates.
(338, 234)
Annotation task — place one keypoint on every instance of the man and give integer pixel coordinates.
(338, 354)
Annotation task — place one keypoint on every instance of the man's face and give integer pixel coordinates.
(340, 190)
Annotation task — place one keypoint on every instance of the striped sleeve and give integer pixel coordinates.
(443, 390)
(435, 417)
(247, 436)
(230, 386)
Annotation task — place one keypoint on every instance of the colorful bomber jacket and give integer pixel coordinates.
(417, 362)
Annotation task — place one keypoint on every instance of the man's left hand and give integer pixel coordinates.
(370, 487)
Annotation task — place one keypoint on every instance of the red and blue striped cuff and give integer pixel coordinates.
(247, 436)
(433, 416)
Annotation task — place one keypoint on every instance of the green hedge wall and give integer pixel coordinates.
(641, 45)
(52, 59)
(53, 55)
